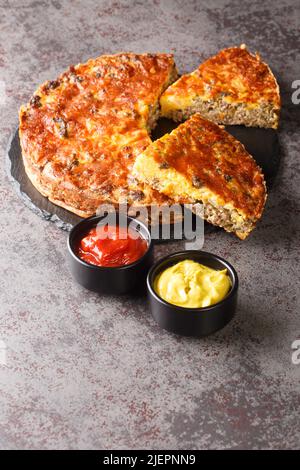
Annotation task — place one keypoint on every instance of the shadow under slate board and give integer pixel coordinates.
(262, 144)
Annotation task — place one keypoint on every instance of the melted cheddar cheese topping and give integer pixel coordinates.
(200, 161)
(234, 74)
(80, 134)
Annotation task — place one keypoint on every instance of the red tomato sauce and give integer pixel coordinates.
(112, 246)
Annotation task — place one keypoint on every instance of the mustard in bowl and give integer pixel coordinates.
(192, 293)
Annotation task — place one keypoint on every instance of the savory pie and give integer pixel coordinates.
(233, 87)
(85, 136)
(200, 163)
(80, 134)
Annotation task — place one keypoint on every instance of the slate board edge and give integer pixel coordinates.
(54, 218)
(42, 213)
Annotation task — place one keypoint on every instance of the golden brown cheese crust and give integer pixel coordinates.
(81, 133)
(233, 73)
(206, 155)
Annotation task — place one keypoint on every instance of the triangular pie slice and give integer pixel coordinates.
(199, 162)
(80, 134)
(233, 87)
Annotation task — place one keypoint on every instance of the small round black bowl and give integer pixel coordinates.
(109, 280)
(192, 321)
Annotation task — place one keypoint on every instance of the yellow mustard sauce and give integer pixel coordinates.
(192, 285)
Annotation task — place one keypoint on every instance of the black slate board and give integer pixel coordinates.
(262, 144)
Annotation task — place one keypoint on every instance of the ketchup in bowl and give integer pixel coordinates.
(112, 246)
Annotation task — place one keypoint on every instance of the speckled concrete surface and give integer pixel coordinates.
(89, 372)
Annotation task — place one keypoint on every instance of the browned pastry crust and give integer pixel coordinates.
(199, 162)
(232, 87)
(80, 134)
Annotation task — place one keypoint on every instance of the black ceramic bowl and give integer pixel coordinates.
(192, 321)
(108, 280)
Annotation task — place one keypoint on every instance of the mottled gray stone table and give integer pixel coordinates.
(89, 372)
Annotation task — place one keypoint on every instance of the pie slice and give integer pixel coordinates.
(80, 134)
(233, 87)
(199, 162)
